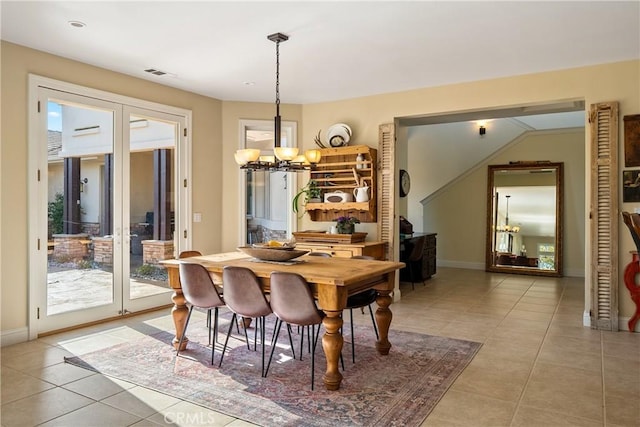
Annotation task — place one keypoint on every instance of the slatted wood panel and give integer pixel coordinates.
(603, 119)
(386, 187)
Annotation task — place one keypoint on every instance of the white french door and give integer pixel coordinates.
(149, 178)
(105, 170)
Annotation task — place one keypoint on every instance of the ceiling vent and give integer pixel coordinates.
(155, 72)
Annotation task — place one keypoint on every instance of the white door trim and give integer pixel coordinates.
(291, 130)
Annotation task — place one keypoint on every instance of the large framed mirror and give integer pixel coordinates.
(524, 218)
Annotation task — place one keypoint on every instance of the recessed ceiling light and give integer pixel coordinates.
(77, 24)
(249, 83)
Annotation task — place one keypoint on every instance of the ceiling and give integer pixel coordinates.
(337, 50)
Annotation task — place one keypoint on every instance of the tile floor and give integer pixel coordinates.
(538, 366)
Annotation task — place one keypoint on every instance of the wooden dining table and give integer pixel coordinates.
(333, 280)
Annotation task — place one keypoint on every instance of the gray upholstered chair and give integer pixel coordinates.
(189, 254)
(199, 291)
(322, 254)
(244, 297)
(414, 259)
(293, 303)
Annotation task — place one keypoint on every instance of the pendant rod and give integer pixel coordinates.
(277, 38)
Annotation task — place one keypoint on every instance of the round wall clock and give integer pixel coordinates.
(405, 183)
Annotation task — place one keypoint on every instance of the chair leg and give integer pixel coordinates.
(246, 337)
(215, 333)
(353, 341)
(413, 285)
(226, 341)
(262, 336)
(276, 332)
(302, 341)
(184, 331)
(255, 333)
(373, 320)
(209, 324)
(293, 351)
(313, 354)
(341, 358)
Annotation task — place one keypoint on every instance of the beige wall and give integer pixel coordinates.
(459, 214)
(215, 138)
(17, 63)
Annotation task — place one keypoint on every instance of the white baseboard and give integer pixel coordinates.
(586, 318)
(573, 272)
(14, 336)
(623, 324)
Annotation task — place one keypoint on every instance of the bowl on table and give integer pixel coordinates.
(280, 246)
(272, 253)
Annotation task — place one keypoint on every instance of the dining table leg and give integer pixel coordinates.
(179, 311)
(383, 319)
(332, 345)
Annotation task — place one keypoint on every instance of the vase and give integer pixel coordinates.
(345, 228)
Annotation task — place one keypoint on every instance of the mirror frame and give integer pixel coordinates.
(491, 232)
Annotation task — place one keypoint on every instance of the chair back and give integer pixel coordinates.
(292, 300)
(197, 286)
(189, 254)
(418, 248)
(632, 221)
(243, 293)
(322, 254)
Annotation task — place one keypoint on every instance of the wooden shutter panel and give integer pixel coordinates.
(603, 119)
(386, 187)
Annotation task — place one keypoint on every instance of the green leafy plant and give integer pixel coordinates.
(84, 264)
(346, 224)
(55, 212)
(347, 220)
(146, 270)
(308, 192)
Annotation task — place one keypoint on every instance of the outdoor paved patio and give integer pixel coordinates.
(70, 288)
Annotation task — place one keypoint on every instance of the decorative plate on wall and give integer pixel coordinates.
(339, 135)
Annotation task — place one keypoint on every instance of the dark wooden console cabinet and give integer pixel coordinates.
(423, 268)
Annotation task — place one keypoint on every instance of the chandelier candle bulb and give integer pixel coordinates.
(285, 153)
(268, 159)
(313, 156)
(239, 158)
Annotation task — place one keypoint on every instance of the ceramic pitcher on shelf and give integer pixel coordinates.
(361, 194)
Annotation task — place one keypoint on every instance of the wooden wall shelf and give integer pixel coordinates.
(334, 172)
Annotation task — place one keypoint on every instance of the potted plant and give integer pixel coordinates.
(310, 193)
(346, 224)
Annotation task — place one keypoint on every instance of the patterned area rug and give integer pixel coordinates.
(398, 389)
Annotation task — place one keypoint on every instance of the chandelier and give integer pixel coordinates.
(285, 159)
(506, 228)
